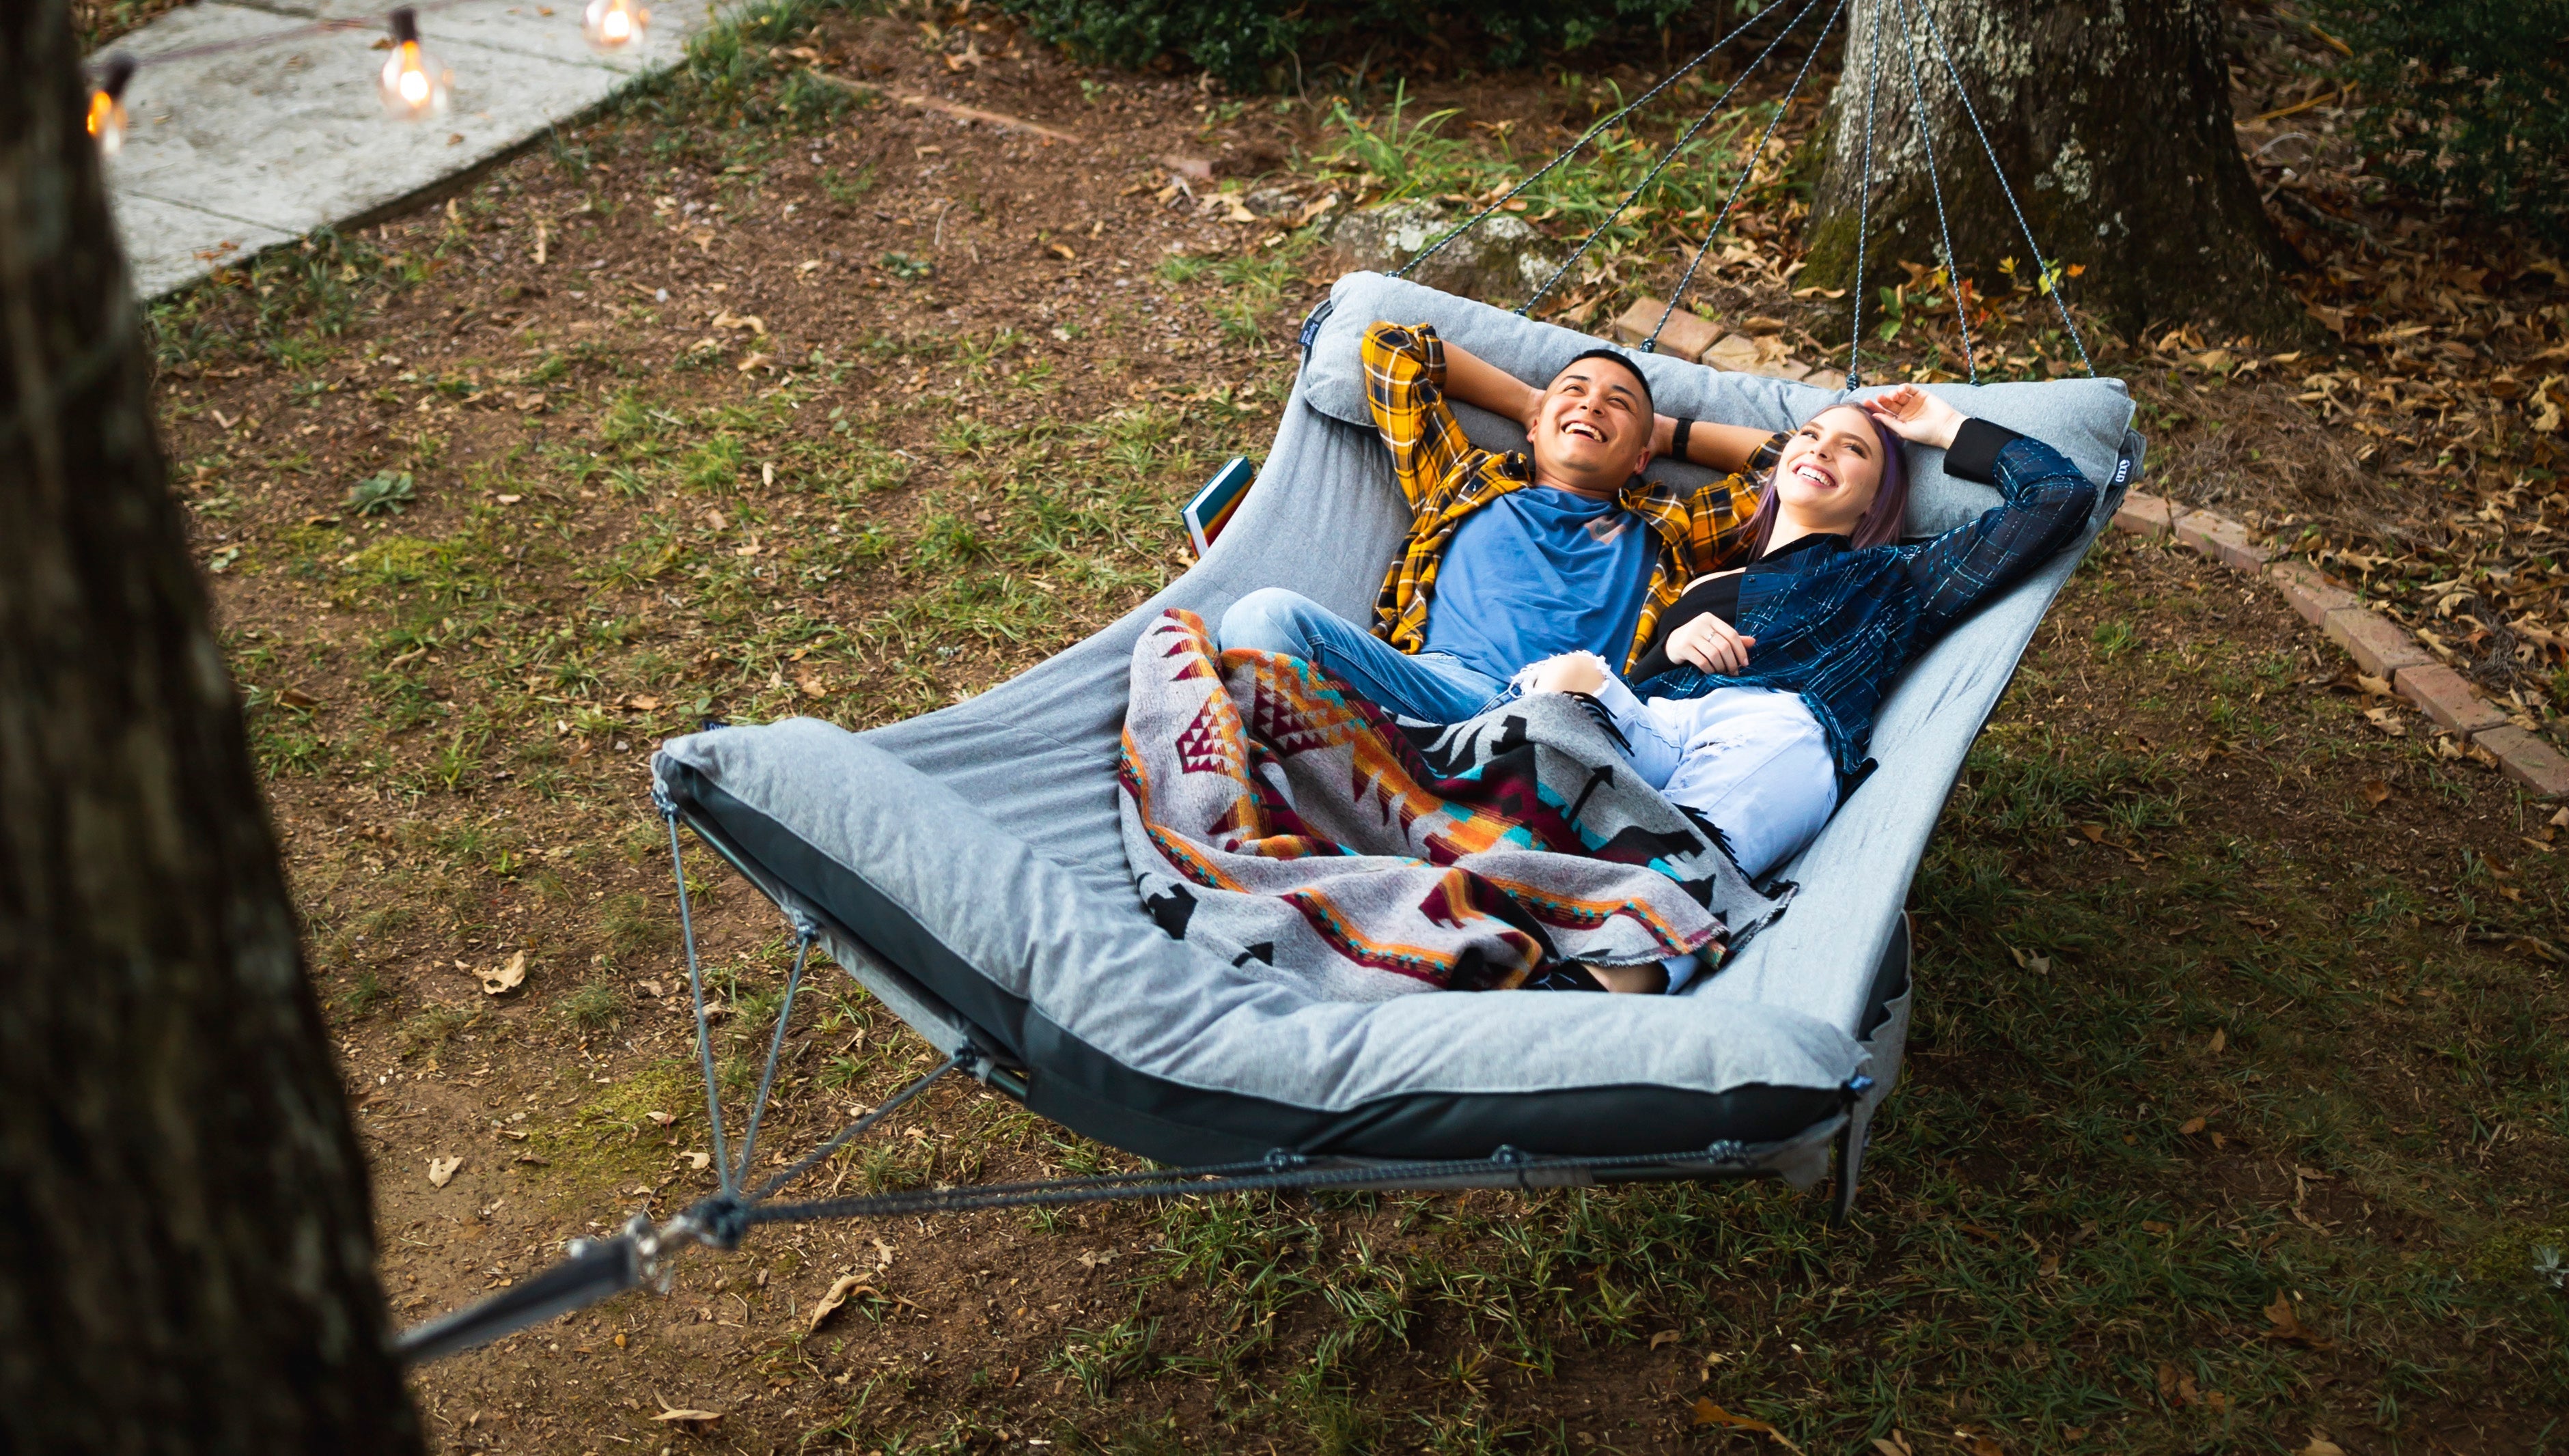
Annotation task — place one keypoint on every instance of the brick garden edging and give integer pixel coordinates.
(2378, 646)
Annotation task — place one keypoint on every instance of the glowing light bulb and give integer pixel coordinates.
(107, 106)
(613, 24)
(413, 84)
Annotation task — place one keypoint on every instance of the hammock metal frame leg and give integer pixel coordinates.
(594, 1270)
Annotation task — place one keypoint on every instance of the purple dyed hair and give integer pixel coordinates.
(1880, 523)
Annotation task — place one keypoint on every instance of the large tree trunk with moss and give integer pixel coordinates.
(187, 1252)
(2111, 118)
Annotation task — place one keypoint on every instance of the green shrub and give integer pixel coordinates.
(2466, 99)
(1253, 45)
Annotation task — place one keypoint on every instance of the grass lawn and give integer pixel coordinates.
(2235, 1107)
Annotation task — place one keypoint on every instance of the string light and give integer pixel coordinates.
(412, 84)
(106, 104)
(613, 24)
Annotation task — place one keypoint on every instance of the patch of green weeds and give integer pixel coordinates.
(385, 493)
(632, 927)
(850, 189)
(594, 1157)
(595, 1006)
(366, 993)
(429, 1031)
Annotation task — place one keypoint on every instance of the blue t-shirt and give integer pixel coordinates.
(1536, 573)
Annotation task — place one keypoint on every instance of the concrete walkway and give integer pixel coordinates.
(230, 152)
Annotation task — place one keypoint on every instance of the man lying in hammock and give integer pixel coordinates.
(1519, 557)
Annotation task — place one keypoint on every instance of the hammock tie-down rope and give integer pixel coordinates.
(596, 1269)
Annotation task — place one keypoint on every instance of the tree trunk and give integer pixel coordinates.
(2112, 120)
(186, 1251)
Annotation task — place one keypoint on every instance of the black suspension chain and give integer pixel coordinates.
(1746, 172)
(1935, 184)
(1863, 203)
(1670, 153)
(1591, 135)
(2042, 268)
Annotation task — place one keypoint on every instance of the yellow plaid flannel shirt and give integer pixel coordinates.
(1447, 478)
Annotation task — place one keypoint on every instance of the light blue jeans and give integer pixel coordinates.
(1751, 759)
(1427, 688)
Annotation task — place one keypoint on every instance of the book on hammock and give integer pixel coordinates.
(1212, 507)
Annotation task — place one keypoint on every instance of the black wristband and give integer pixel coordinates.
(1678, 439)
(1973, 455)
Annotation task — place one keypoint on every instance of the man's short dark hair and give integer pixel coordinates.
(1631, 364)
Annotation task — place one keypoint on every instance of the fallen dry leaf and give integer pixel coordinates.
(688, 1417)
(754, 361)
(2389, 720)
(1708, 1415)
(2376, 792)
(698, 1161)
(505, 980)
(842, 1290)
(2320, 1445)
(1665, 1336)
(2287, 1325)
(441, 1171)
(1896, 1445)
(2220, 1039)
(2189, 1127)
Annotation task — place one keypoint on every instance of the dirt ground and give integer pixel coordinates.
(770, 393)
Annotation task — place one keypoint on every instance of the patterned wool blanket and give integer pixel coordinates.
(1279, 819)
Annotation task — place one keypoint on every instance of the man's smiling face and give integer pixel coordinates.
(1592, 431)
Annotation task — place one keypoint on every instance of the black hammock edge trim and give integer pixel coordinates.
(1091, 1092)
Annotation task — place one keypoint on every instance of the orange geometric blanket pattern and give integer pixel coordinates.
(1282, 821)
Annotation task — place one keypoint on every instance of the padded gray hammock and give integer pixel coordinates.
(1035, 958)
(1032, 963)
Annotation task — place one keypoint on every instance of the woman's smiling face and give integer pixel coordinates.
(1829, 469)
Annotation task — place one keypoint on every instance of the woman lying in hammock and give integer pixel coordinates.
(1764, 680)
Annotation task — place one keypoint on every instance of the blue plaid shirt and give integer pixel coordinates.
(1838, 626)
